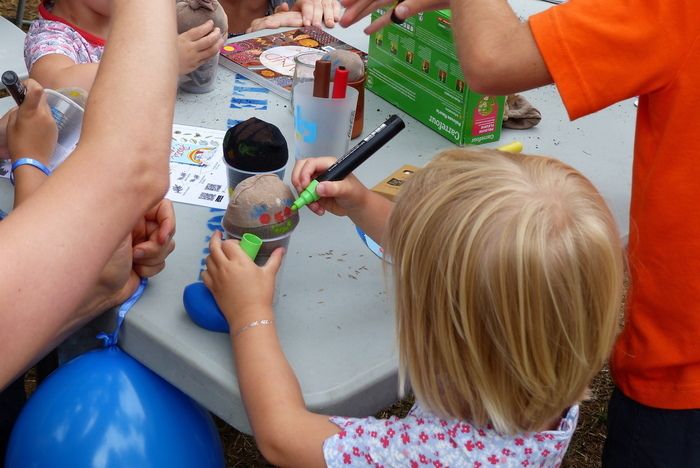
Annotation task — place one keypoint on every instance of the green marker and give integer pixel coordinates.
(353, 158)
(250, 243)
(309, 195)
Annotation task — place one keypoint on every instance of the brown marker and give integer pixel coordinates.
(14, 86)
(322, 78)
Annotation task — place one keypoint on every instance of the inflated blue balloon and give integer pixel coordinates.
(105, 409)
(201, 306)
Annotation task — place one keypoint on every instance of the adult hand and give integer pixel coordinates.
(142, 254)
(358, 9)
(198, 45)
(342, 198)
(243, 290)
(152, 239)
(115, 284)
(31, 130)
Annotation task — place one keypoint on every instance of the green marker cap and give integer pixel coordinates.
(250, 243)
(309, 195)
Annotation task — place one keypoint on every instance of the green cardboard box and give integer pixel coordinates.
(414, 66)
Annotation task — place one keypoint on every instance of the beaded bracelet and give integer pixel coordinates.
(252, 325)
(27, 162)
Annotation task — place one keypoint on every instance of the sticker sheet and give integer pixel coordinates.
(197, 168)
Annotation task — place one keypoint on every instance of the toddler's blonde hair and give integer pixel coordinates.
(508, 274)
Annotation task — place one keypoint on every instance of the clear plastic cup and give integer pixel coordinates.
(304, 66)
(69, 120)
(322, 126)
(202, 79)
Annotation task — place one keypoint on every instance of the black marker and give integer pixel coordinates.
(352, 159)
(14, 86)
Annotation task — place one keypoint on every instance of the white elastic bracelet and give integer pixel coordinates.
(253, 325)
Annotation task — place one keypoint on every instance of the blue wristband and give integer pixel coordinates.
(28, 162)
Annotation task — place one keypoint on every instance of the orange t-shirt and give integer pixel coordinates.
(600, 52)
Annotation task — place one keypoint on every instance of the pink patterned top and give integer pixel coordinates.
(423, 439)
(51, 34)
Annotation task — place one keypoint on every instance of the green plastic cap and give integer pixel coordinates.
(250, 243)
(309, 195)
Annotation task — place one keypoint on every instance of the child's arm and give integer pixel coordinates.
(347, 197)
(198, 45)
(57, 71)
(287, 433)
(4, 152)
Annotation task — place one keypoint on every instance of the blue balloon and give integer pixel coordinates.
(105, 409)
(201, 306)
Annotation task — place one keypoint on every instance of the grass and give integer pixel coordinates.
(240, 450)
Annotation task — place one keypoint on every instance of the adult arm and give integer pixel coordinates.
(88, 206)
(496, 49)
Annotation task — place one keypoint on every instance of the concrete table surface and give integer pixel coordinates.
(334, 312)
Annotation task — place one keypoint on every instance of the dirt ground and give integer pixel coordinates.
(585, 449)
(8, 9)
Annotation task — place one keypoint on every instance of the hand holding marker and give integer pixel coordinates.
(352, 159)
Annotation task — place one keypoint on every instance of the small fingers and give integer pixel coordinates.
(317, 19)
(35, 96)
(200, 31)
(273, 263)
(329, 12)
(336, 11)
(216, 254)
(210, 40)
(307, 13)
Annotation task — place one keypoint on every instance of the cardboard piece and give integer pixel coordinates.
(390, 187)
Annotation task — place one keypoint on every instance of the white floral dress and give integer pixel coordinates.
(423, 439)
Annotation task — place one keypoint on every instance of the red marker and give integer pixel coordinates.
(340, 83)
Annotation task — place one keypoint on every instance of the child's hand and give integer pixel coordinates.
(302, 13)
(4, 152)
(31, 130)
(281, 18)
(198, 45)
(242, 289)
(342, 198)
(318, 12)
(152, 239)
